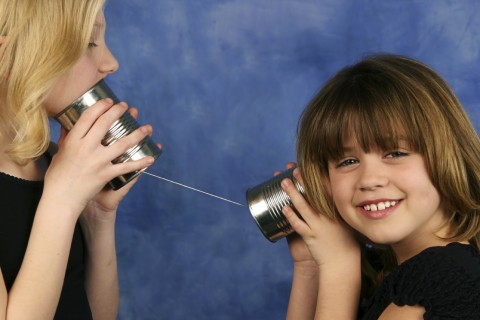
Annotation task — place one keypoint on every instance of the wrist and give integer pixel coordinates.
(345, 269)
(97, 226)
(61, 202)
(57, 208)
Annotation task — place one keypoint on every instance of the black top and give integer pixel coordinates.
(18, 202)
(445, 280)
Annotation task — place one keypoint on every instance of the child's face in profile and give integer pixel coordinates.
(95, 64)
(387, 196)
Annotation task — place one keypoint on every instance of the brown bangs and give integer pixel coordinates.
(370, 110)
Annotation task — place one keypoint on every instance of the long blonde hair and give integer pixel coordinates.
(42, 39)
(382, 99)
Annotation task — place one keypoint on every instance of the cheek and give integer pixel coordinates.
(416, 181)
(339, 190)
(72, 85)
(425, 193)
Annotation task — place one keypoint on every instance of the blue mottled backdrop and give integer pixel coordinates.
(223, 84)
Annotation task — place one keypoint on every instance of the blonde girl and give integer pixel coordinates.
(57, 221)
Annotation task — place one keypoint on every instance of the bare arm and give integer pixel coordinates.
(3, 297)
(101, 283)
(72, 180)
(337, 256)
(339, 290)
(304, 292)
(38, 285)
(98, 225)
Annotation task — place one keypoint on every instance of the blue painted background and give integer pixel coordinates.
(223, 84)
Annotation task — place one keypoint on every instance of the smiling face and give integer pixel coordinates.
(95, 64)
(387, 195)
(384, 144)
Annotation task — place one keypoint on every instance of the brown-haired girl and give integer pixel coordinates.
(391, 167)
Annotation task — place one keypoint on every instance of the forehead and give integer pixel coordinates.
(365, 130)
(100, 18)
(99, 22)
(98, 29)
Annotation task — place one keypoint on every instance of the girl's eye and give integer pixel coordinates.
(396, 154)
(92, 44)
(346, 162)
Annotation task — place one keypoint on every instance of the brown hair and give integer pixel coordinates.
(382, 99)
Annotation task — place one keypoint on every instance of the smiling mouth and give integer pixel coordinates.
(379, 206)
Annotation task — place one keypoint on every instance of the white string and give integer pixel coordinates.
(182, 185)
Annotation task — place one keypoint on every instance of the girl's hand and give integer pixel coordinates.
(83, 166)
(105, 203)
(329, 242)
(298, 249)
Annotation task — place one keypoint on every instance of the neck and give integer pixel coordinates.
(419, 242)
(33, 170)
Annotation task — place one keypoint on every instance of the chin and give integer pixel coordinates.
(384, 239)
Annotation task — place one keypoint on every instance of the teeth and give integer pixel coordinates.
(379, 206)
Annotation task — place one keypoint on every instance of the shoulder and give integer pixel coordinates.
(444, 280)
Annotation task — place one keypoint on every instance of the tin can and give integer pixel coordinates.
(266, 201)
(125, 125)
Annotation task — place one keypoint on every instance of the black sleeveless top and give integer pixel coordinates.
(18, 203)
(444, 280)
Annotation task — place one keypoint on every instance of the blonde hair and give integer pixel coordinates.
(380, 100)
(43, 39)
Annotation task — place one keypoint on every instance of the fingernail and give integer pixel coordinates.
(108, 101)
(144, 129)
(150, 160)
(285, 183)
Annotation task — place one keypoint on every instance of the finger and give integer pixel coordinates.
(298, 176)
(290, 165)
(298, 200)
(287, 166)
(122, 168)
(129, 141)
(89, 116)
(133, 112)
(106, 120)
(150, 130)
(297, 224)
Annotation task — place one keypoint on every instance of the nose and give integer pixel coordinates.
(109, 63)
(372, 176)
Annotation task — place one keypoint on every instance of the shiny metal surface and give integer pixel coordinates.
(266, 201)
(122, 127)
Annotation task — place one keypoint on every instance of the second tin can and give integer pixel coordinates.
(266, 201)
(125, 125)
